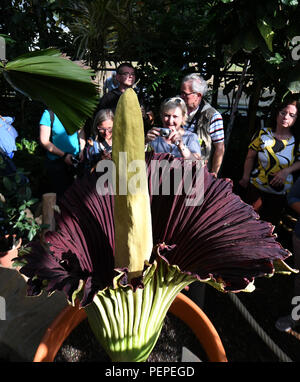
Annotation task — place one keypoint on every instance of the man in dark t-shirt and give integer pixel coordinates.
(126, 78)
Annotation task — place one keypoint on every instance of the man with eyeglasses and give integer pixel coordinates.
(203, 120)
(125, 75)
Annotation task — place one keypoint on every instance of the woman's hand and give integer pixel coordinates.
(280, 177)
(175, 137)
(68, 159)
(152, 134)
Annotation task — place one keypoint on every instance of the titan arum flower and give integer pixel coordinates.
(126, 257)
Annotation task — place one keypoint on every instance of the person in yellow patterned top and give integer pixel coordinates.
(272, 158)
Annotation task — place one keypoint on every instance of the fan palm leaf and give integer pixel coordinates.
(59, 83)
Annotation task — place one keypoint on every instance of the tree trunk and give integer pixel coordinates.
(236, 103)
(217, 77)
(253, 105)
(216, 85)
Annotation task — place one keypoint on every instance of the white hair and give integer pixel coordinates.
(172, 103)
(198, 83)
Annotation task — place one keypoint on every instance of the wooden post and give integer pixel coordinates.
(48, 204)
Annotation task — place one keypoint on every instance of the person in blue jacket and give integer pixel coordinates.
(8, 135)
(61, 149)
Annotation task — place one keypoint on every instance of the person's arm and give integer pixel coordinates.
(216, 131)
(280, 176)
(152, 134)
(296, 207)
(217, 157)
(248, 166)
(45, 132)
(186, 152)
(82, 143)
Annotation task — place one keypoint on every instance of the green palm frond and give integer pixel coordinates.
(59, 83)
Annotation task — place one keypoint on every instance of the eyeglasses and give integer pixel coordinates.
(184, 94)
(109, 130)
(284, 113)
(127, 74)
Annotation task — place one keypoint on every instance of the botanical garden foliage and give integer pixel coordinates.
(166, 39)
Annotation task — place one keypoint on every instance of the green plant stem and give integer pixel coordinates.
(128, 323)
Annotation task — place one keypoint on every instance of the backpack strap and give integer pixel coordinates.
(52, 117)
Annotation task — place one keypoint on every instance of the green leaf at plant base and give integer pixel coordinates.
(128, 323)
(60, 84)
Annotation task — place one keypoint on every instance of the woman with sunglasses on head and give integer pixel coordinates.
(272, 158)
(101, 142)
(173, 138)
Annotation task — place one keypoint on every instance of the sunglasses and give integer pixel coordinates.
(175, 100)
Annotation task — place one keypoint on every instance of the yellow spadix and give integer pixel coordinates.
(132, 214)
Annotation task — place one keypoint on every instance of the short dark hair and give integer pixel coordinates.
(121, 66)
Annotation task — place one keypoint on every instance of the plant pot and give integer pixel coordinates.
(182, 307)
(6, 256)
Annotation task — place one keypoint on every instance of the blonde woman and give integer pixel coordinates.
(174, 139)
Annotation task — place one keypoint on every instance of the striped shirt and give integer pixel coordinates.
(216, 129)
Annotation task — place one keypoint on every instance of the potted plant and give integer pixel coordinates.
(126, 256)
(182, 307)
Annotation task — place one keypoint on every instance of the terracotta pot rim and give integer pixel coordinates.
(182, 307)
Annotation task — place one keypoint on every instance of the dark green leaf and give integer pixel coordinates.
(60, 84)
(266, 32)
(7, 183)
